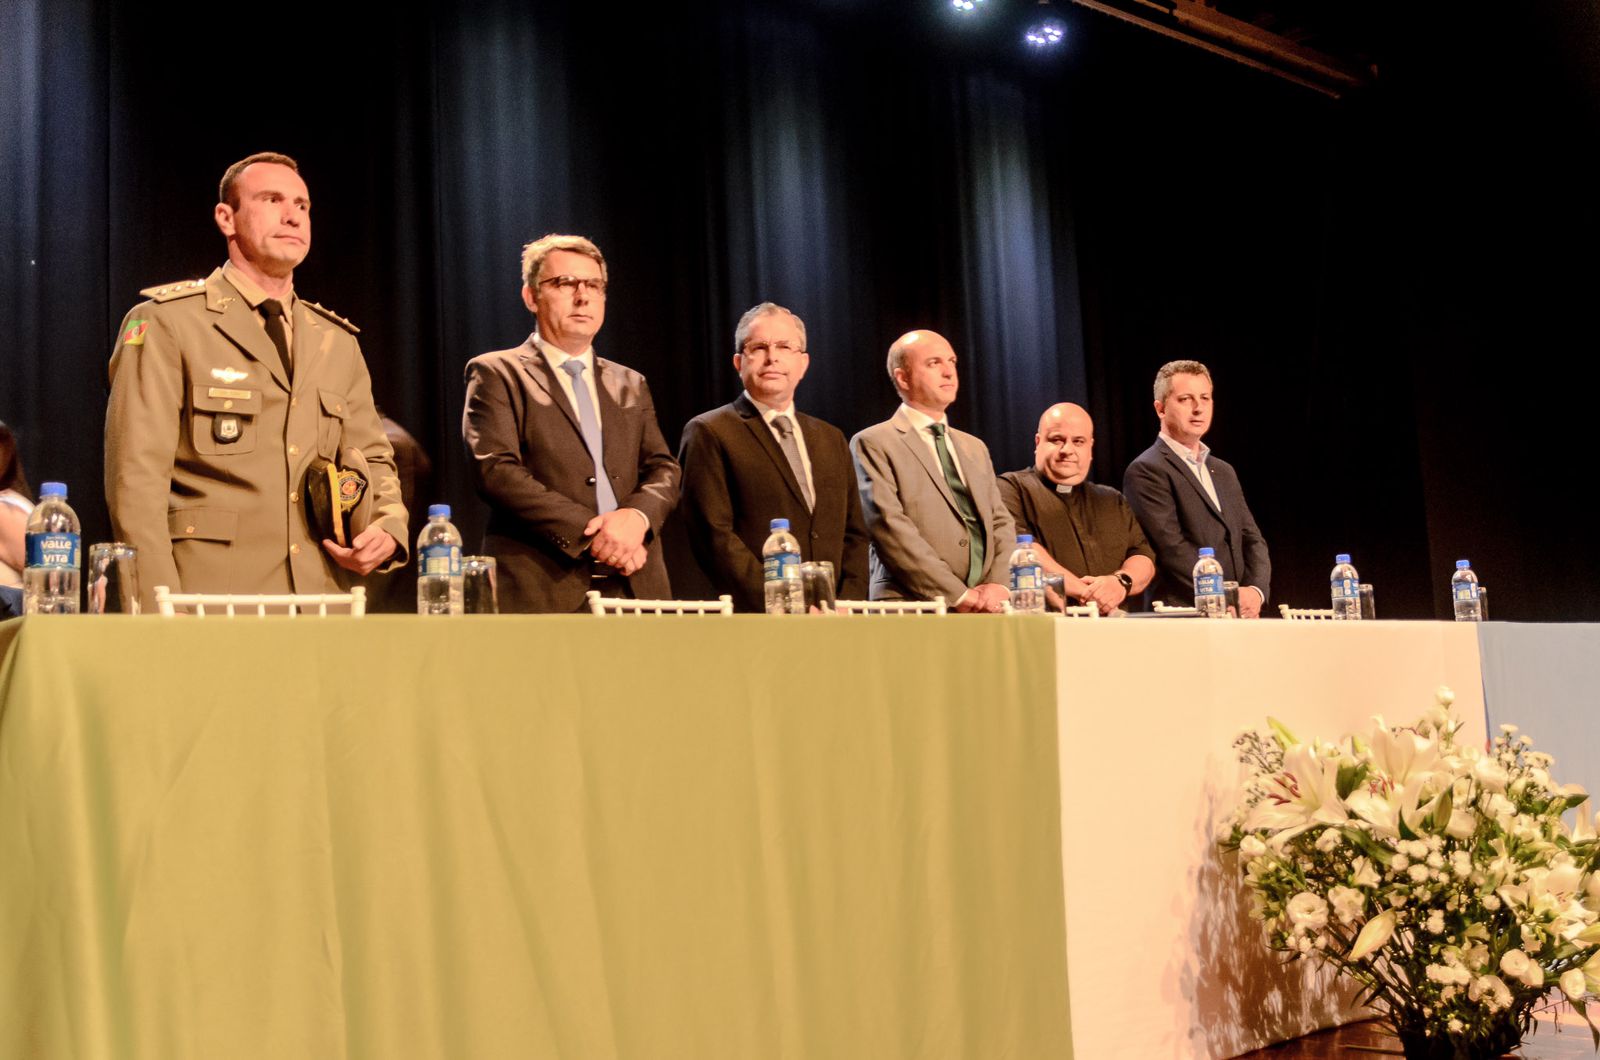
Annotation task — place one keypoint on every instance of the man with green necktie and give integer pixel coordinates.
(928, 492)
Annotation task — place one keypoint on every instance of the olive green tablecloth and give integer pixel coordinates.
(530, 837)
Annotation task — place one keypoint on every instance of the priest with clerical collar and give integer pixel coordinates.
(1084, 532)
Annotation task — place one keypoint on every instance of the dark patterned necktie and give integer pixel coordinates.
(791, 449)
(274, 314)
(964, 505)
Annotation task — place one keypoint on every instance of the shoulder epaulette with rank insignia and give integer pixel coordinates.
(167, 292)
(331, 315)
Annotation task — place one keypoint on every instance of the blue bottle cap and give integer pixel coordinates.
(1024, 539)
(436, 510)
(1207, 551)
(780, 524)
(1343, 557)
(53, 489)
(1462, 564)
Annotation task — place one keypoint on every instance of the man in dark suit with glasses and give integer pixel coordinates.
(565, 447)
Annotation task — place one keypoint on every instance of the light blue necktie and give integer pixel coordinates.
(605, 497)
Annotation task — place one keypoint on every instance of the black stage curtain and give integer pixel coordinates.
(1385, 286)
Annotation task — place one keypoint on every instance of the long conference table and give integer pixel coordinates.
(694, 837)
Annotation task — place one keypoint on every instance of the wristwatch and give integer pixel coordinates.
(1127, 582)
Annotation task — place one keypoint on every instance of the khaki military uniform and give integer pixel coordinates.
(207, 443)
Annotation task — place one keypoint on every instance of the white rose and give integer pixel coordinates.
(1252, 847)
(1307, 912)
(1490, 775)
(1515, 963)
(1572, 984)
(1444, 695)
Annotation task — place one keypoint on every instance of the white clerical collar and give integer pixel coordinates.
(1064, 490)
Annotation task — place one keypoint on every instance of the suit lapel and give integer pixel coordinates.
(538, 372)
(911, 438)
(762, 434)
(239, 323)
(613, 439)
(1181, 467)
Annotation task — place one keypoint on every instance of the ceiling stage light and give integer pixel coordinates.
(966, 7)
(1048, 32)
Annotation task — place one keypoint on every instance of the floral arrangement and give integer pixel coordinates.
(1441, 877)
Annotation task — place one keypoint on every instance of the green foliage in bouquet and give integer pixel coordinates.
(1441, 877)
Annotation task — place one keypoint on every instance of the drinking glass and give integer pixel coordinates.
(817, 576)
(113, 587)
(1369, 607)
(1230, 591)
(478, 596)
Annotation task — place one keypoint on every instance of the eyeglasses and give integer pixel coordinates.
(780, 349)
(571, 285)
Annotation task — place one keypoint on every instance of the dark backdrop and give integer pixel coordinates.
(1392, 290)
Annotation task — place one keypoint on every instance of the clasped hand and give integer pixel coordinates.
(618, 539)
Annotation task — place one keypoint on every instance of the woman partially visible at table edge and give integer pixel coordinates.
(15, 506)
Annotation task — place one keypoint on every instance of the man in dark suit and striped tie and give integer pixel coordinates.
(565, 447)
(758, 458)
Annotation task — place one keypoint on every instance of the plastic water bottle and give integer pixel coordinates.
(439, 564)
(1346, 585)
(1027, 577)
(780, 572)
(1464, 592)
(1209, 599)
(52, 544)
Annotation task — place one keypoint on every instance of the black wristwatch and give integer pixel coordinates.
(1127, 582)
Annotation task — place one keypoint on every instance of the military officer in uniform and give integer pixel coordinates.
(224, 393)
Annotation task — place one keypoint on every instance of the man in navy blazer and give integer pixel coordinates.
(565, 448)
(1186, 498)
(758, 458)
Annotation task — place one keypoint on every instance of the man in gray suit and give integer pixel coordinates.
(938, 525)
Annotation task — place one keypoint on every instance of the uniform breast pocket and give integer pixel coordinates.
(222, 420)
(330, 425)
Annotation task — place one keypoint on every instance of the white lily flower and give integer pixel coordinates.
(1303, 793)
(1374, 935)
(1348, 903)
(1572, 984)
(1363, 874)
(1399, 756)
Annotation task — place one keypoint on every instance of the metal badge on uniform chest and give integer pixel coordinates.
(225, 428)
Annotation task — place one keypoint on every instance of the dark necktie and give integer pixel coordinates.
(274, 314)
(605, 497)
(791, 449)
(964, 505)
